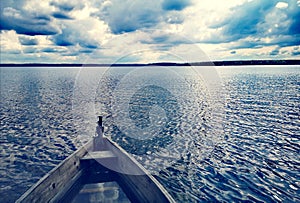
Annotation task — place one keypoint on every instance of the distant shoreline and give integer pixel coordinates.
(208, 63)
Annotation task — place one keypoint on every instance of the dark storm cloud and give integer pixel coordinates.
(27, 41)
(260, 19)
(13, 17)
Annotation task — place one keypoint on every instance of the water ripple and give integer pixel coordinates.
(258, 160)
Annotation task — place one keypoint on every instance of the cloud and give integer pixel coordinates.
(86, 51)
(64, 39)
(163, 40)
(76, 34)
(282, 5)
(27, 41)
(9, 41)
(129, 15)
(174, 18)
(13, 52)
(14, 17)
(259, 23)
(63, 6)
(175, 4)
(294, 15)
(29, 50)
(52, 50)
(275, 52)
(249, 42)
(244, 19)
(68, 30)
(64, 9)
(295, 53)
(61, 15)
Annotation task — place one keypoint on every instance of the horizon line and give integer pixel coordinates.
(203, 63)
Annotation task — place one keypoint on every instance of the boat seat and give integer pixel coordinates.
(98, 155)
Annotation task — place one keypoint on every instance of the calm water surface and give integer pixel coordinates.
(244, 147)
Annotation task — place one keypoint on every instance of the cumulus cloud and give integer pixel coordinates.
(174, 18)
(15, 17)
(278, 21)
(28, 41)
(9, 42)
(68, 30)
(244, 19)
(63, 9)
(63, 6)
(76, 34)
(282, 5)
(129, 15)
(61, 15)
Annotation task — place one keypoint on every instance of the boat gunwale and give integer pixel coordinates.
(86, 146)
(143, 169)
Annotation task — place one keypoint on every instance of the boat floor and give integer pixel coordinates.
(101, 192)
(96, 184)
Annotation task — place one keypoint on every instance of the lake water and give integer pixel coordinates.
(216, 134)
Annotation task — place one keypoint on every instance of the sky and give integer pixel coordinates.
(143, 31)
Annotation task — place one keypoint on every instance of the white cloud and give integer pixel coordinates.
(148, 30)
(10, 41)
(282, 5)
(37, 6)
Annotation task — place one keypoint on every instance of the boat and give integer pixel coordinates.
(99, 171)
